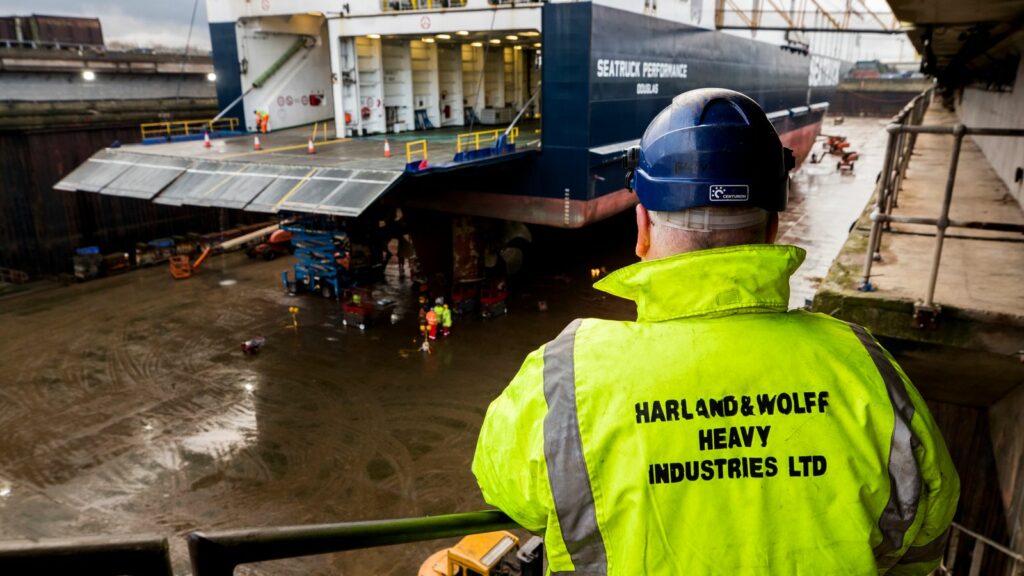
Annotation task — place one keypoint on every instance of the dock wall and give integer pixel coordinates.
(988, 108)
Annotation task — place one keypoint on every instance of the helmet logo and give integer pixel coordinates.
(728, 192)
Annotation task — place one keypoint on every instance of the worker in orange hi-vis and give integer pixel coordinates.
(432, 324)
(264, 122)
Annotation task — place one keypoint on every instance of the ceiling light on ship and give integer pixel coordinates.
(512, 37)
(428, 40)
(494, 41)
(462, 33)
(211, 77)
(477, 44)
(536, 44)
(444, 36)
(518, 47)
(529, 34)
(374, 36)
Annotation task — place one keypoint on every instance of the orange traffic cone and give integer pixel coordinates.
(387, 149)
(256, 143)
(206, 140)
(310, 147)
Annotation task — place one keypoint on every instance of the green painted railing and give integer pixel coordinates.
(219, 553)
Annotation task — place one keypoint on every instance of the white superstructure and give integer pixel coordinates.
(377, 66)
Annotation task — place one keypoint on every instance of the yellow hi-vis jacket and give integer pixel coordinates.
(719, 434)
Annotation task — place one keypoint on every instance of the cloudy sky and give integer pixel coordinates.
(165, 23)
(142, 22)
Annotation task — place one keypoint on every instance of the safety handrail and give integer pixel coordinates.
(97, 556)
(416, 147)
(186, 127)
(981, 543)
(473, 140)
(218, 553)
(903, 131)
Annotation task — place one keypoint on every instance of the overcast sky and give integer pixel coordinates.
(142, 22)
(166, 22)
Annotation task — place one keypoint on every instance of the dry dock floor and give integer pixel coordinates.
(126, 406)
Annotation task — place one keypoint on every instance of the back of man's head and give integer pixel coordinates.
(710, 172)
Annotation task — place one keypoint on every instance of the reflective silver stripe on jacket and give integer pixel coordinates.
(563, 452)
(929, 552)
(904, 472)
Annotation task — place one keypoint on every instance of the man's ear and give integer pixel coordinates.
(643, 231)
(773, 228)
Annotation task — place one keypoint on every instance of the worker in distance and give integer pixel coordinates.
(719, 433)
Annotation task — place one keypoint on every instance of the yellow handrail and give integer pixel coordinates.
(186, 127)
(475, 139)
(414, 147)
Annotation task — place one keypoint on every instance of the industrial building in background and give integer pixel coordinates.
(64, 95)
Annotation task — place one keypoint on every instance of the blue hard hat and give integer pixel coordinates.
(710, 147)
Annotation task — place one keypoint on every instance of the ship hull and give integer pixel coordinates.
(606, 74)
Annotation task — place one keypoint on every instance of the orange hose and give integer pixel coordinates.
(202, 257)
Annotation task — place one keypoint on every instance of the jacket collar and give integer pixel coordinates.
(748, 278)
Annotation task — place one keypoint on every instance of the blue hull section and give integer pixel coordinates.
(227, 69)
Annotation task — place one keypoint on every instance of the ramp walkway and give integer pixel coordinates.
(343, 178)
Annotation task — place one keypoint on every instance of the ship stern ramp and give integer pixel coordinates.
(344, 176)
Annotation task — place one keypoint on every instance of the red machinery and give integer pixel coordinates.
(835, 144)
(279, 244)
(492, 300)
(846, 161)
(357, 307)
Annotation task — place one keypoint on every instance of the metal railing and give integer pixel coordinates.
(473, 140)
(981, 544)
(135, 555)
(186, 127)
(219, 553)
(415, 150)
(903, 133)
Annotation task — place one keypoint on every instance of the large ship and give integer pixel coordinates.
(517, 111)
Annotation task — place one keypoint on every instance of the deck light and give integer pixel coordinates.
(444, 36)
(462, 33)
(211, 77)
(88, 75)
(374, 36)
(512, 37)
(529, 34)
(536, 44)
(477, 44)
(518, 47)
(428, 40)
(495, 41)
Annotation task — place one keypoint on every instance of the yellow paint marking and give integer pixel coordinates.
(222, 182)
(294, 188)
(279, 149)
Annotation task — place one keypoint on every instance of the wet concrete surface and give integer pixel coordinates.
(126, 406)
(825, 203)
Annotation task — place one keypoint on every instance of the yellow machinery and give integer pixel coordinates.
(487, 554)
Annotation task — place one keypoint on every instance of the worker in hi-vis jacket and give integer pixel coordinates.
(720, 433)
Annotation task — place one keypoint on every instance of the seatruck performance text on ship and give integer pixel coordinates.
(637, 69)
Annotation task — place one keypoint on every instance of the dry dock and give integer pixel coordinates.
(130, 409)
